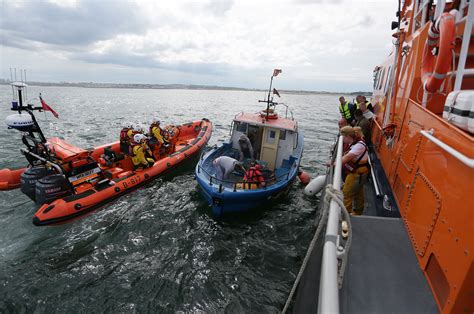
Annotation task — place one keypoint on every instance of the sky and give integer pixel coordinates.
(321, 45)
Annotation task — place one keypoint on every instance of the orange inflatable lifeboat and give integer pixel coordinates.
(78, 181)
(68, 181)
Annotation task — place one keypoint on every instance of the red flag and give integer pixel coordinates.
(276, 92)
(46, 107)
(276, 72)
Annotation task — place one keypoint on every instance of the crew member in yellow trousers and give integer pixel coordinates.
(355, 163)
(141, 153)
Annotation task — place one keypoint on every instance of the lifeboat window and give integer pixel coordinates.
(387, 80)
(271, 137)
(282, 135)
(241, 127)
(381, 78)
(376, 78)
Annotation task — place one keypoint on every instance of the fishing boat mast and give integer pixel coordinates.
(269, 101)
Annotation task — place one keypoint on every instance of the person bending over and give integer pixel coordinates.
(224, 165)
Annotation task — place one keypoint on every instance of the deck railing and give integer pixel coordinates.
(222, 183)
(461, 70)
(328, 284)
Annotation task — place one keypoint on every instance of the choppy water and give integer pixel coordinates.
(156, 249)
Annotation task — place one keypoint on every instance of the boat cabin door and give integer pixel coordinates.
(270, 147)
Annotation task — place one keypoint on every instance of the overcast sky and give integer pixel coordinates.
(320, 44)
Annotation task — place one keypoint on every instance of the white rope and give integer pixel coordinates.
(338, 197)
(345, 256)
(330, 194)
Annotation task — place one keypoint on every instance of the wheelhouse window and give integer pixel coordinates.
(271, 134)
(241, 127)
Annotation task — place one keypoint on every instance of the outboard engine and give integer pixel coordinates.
(51, 188)
(29, 178)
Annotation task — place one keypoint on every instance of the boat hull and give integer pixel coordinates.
(239, 201)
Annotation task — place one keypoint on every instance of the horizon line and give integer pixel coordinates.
(172, 86)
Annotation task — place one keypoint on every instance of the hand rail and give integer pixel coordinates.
(214, 180)
(328, 284)
(239, 114)
(453, 152)
(440, 5)
(374, 178)
(52, 164)
(466, 39)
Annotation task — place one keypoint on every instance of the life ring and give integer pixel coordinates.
(271, 114)
(442, 34)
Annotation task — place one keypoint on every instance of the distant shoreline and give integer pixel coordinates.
(179, 86)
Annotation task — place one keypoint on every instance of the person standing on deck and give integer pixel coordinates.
(355, 163)
(361, 100)
(346, 109)
(245, 148)
(363, 123)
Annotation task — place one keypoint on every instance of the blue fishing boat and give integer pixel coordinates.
(276, 146)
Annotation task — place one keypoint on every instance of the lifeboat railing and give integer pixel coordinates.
(328, 284)
(461, 70)
(453, 152)
(421, 7)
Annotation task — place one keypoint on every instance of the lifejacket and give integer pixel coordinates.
(253, 176)
(147, 151)
(124, 135)
(345, 111)
(352, 166)
(156, 132)
(369, 106)
(126, 140)
(170, 133)
(161, 135)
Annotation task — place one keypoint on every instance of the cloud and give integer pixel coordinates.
(147, 61)
(80, 24)
(226, 42)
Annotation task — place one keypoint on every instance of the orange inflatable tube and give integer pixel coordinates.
(10, 179)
